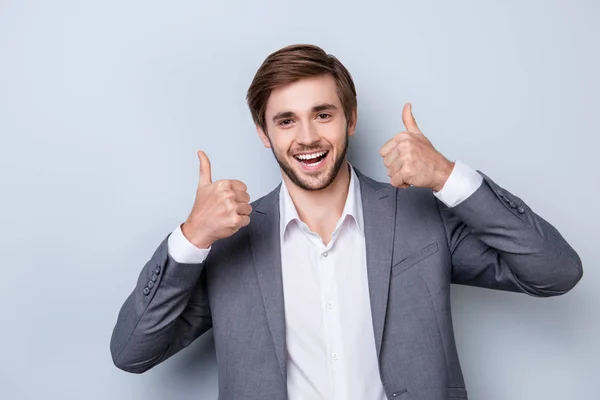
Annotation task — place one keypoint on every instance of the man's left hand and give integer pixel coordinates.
(411, 159)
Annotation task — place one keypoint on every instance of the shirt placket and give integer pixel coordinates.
(330, 305)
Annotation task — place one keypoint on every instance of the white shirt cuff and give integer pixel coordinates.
(461, 184)
(183, 251)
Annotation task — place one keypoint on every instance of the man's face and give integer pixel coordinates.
(307, 131)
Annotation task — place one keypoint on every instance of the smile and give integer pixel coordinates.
(312, 160)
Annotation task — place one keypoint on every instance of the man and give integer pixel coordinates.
(335, 286)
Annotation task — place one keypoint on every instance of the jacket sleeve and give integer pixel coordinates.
(167, 310)
(498, 242)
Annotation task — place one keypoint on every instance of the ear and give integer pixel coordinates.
(352, 123)
(263, 137)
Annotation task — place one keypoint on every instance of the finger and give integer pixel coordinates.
(388, 146)
(243, 220)
(397, 180)
(395, 167)
(244, 209)
(409, 120)
(205, 173)
(242, 197)
(238, 185)
(391, 156)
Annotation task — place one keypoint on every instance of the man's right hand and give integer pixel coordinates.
(220, 209)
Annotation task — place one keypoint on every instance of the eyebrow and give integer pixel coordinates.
(290, 114)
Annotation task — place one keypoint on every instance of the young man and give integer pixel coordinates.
(335, 286)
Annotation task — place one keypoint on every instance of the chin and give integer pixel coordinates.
(313, 177)
(312, 181)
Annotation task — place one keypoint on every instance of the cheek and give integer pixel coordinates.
(281, 146)
(333, 133)
(338, 139)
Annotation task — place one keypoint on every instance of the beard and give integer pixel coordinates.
(320, 182)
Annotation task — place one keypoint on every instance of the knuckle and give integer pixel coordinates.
(234, 221)
(229, 205)
(227, 194)
(224, 184)
(402, 136)
(240, 220)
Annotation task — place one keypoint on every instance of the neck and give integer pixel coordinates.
(320, 209)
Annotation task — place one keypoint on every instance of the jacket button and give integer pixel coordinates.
(157, 270)
(513, 204)
(146, 291)
(154, 278)
(521, 210)
(150, 284)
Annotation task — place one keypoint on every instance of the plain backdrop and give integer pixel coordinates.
(103, 105)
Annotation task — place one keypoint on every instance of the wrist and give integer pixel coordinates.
(444, 175)
(198, 240)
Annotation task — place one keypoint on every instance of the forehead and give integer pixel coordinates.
(302, 95)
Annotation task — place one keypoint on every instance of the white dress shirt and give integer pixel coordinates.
(329, 331)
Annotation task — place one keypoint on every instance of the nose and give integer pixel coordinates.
(307, 134)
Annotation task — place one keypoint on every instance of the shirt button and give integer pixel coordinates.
(329, 305)
(325, 254)
(334, 356)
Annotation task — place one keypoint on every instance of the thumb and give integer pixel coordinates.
(205, 173)
(409, 119)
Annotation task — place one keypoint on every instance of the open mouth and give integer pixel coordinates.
(311, 160)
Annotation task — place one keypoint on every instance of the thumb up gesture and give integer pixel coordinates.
(220, 209)
(411, 159)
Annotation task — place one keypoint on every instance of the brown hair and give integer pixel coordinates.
(290, 64)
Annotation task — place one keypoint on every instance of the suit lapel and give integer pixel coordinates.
(266, 250)
(379, 213)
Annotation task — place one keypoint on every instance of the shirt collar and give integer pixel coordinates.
(352, 207)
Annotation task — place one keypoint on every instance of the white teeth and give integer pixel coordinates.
(310, 156)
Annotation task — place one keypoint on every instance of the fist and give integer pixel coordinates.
(411, 159)
(220, 209)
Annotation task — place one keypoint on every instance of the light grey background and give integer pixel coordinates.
(104, 104)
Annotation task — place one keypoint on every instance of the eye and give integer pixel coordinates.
(285, 122)
(323, 116)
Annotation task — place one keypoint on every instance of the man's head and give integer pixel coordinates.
(303, 103)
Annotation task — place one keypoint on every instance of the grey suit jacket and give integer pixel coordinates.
(416, 246)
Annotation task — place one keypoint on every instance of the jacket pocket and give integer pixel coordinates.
(455, 393)
(414, 258)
